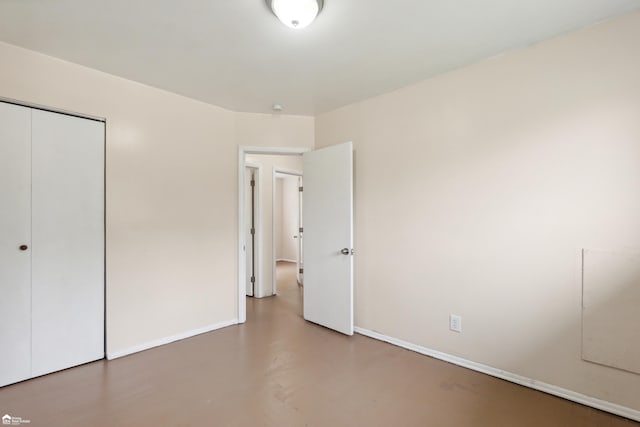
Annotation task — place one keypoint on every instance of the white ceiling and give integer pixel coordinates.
(236, 54)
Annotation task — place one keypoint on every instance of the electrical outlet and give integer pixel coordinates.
(455, 323)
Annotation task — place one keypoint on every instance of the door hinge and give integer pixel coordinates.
(253, 279)
(253, 182)
(301, 271)
(300, 188)
(253, 231)
(301, 230)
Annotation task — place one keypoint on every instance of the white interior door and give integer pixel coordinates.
(328, 237)
(15, 231)
(67, 241)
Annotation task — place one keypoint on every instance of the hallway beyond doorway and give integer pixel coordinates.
(289, 297)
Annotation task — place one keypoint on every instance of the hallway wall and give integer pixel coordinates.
(265, 287)
(287, 218)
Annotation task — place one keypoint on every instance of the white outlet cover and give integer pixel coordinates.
(455, 323)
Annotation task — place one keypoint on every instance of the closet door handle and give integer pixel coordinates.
(24, 247)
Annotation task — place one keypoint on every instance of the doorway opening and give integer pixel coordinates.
(265, 233)
(328, 233)
(287, 222)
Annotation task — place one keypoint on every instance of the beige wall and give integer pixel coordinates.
(476, 191)
(171, 179)
(287, 217)
(274, 130)
(268, 163)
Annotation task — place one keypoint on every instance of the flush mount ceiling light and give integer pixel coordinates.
(296, 14)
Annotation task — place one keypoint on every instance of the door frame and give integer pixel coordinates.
(277, 171)
(242, 259)
(257, 206)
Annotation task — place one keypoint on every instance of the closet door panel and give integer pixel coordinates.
(68, 241)
(15, 230)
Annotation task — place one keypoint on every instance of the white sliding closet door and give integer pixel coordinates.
(51, 242)
(15, 231)
(67, 241)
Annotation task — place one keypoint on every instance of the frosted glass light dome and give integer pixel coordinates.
(296, 14)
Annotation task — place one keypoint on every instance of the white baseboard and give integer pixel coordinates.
(167, 340)
(603, 405)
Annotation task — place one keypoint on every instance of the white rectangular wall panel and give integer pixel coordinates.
(611, 309)
(67, 241)
(15, 231)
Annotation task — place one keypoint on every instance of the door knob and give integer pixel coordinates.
(24, 247)
(346, 251)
